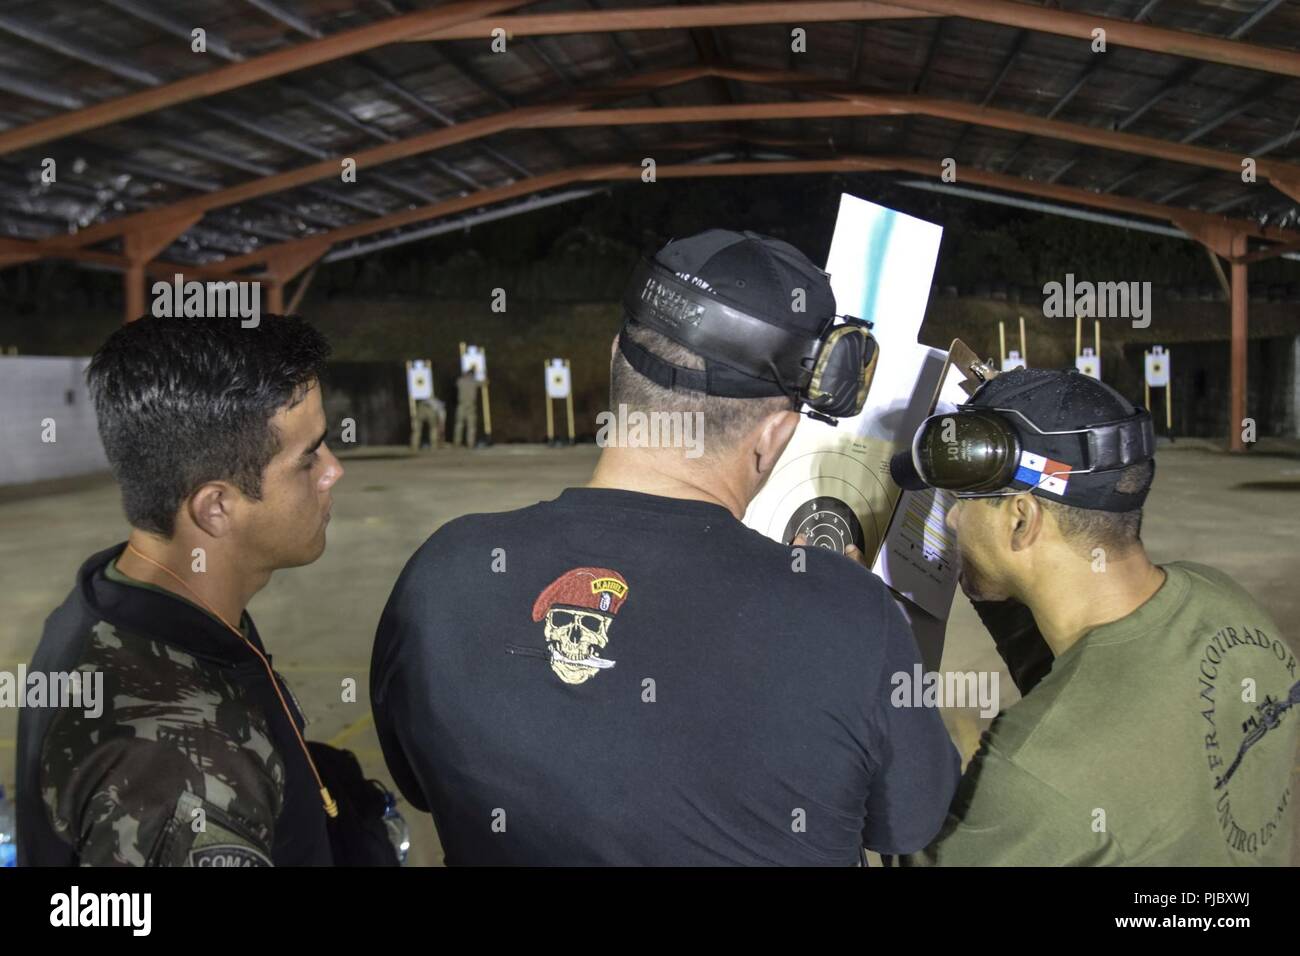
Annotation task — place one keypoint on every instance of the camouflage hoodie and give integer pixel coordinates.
(192, 761)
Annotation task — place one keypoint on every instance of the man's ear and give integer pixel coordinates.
(613, 347)
(774, 434)
(211, 508)
(1026, 516)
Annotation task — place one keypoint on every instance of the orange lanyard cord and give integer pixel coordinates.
(331, 808)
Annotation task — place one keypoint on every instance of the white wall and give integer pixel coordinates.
(33, 389)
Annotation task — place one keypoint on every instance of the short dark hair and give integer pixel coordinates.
(1116, 531)
(726, 420)
(183, 401)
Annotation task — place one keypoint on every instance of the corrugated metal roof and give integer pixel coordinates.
(58, 55)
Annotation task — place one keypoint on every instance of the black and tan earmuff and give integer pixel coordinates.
(843, 370)
(748, 356)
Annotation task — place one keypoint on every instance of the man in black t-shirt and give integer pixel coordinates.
(628, 674)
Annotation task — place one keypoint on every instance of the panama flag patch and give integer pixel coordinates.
(1043, 473)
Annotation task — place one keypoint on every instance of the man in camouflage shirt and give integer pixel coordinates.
(215, 433)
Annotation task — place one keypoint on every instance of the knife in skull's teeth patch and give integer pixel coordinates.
(578, 608)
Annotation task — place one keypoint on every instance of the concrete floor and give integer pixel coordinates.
(1239, 514)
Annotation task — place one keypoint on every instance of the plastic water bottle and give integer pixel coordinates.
(399, 833)
(8, 844)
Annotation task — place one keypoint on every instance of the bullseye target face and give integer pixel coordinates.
(830, 497)
(825, 522)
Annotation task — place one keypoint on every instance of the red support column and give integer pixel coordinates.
(133, 292)
(285, 265)
(140, 248)
(274, 296)
(1226, 239)
(1237, 360)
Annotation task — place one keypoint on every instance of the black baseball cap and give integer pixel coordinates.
(1063, 400)
(754, 273)
(753, 307)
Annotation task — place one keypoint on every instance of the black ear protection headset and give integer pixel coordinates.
(975, 451)
(746, 356)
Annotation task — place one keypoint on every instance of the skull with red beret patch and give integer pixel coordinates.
(578, 608)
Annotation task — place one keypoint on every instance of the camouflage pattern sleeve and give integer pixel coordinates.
(178, 770)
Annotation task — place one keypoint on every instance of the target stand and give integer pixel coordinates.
(558, 378)
(1158, 374)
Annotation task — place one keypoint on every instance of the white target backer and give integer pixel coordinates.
(419, 379)
(1088, 363)
(474, 360)
(557, 379)
(1157, 367)
(1013, 360)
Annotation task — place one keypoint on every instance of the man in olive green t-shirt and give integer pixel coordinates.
(1165, 731)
